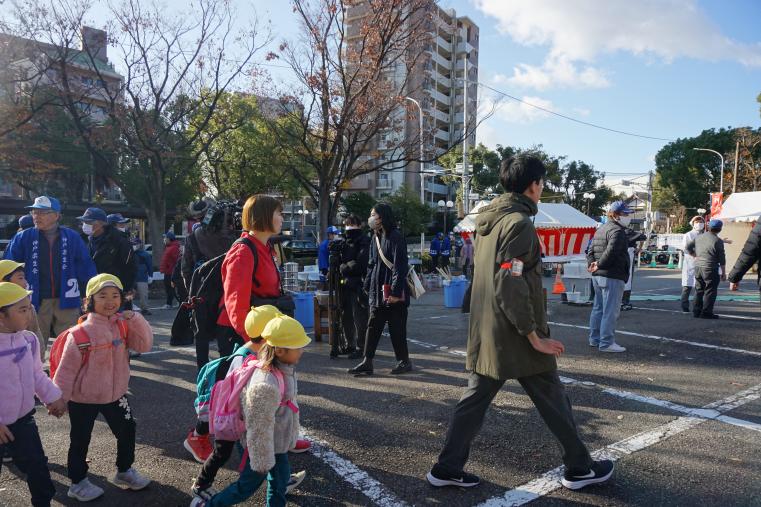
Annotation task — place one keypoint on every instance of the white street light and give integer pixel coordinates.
(589, 196)
(701, 211)
(721, 182)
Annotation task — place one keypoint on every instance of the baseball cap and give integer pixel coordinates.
(117, 218)
(170, 235)
(333, 230)
(8, 266)
(715, 224)
(45, 202)
(10, 294)
(621, 208)
(93, 214)
(26, 221)
(285, 332)
(258, 317)
(100, 282)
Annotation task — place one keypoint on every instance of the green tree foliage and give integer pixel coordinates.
(485, 166)
(359, 203)
(686, 176)
(412, 215)
(246, 160)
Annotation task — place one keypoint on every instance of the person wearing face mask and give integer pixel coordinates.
(688, 262)
(608, 261)
(110, 250)
(353, 268)
(386, 287)
(168, 262)
(120, 223)
(57, 266)
(633, 238)
(144, 274)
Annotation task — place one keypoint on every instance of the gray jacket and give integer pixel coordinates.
(610, 250)
(708, 250)
(270, 428)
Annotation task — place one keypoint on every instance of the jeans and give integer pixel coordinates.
(249, 481)
(607, 307)
(549, 397)
(29, 457)
(223, 449)
(120, 420)
(142, 294)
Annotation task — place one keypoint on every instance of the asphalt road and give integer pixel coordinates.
(680, 411)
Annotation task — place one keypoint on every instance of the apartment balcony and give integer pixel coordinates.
(436, 57)
(446, 46)
(463, 47)
(360, 183)
(442, 135)
(441, 116)
(437, 95)
(441, 80)
(384, 182)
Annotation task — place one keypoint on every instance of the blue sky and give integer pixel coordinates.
(662, 68)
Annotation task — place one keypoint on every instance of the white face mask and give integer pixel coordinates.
(625, 221)
(352, 228)
(698, 226)
(123, 229)
(87, 229)
(372, 222)
(135, 248)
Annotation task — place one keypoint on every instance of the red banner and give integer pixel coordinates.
(570, 241)
(716, 203)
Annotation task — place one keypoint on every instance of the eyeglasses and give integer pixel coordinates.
(40, 212)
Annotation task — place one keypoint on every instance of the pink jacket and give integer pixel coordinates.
(105, 376)
(21, 376)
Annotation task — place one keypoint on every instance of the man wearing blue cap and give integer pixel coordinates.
(119, 222)
(25, 222)
(109, 248)
(710, 269)
(323, 253)
(608, 261)
(56, 264)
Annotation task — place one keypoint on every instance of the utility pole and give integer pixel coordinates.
(650, 203)
(737, 159)
(465, 175)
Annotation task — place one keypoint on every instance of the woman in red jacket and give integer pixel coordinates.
(168, 261)
(262, 218)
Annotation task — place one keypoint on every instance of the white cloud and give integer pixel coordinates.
(578, 32)
(511, 111)
(582, 111)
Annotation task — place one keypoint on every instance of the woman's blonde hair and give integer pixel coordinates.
(266, 356)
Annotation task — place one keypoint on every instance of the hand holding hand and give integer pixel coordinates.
(734, 286)
(546, 345)
(5, 434)
(127, 314)
(57, 408)
(393, 299)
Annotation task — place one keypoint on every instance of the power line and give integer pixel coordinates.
(570, 118)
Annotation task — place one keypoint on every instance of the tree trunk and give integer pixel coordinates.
(156, 220)
(324, 212)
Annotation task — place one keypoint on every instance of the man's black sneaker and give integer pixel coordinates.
(363, 368)
(438, 478)
(402, 367)
(709, 316)
(599, 472)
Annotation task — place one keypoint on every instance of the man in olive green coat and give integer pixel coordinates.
(509, 337)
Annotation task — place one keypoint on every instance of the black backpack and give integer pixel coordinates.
(206, 292)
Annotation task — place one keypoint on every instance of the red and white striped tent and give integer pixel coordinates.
(564, 231)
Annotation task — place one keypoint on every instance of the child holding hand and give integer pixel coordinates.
(95, 379)
(22, 378)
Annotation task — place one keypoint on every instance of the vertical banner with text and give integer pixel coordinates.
(716, 203)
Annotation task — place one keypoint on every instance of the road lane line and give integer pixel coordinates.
(550, 481)
(348, 471)
(671, 340)
(722, 315)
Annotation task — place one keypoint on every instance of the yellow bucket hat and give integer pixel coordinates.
(285, 332)
(10, 294)
(7, 267)
(258, 317)
(99, 282)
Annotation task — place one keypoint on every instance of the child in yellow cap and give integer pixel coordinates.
(12, 271)
(95, 380)
(22, 378)
(272, 417)
(258, 317)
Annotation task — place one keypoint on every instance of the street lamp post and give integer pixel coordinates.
(588, 196)
(301, 213)
(445, 207)
(421, 165)
(721, 182)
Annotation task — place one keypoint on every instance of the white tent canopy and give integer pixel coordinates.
(741, 207)
(550, 216)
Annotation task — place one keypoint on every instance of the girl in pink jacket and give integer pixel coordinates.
(22, 378)
(94, 379)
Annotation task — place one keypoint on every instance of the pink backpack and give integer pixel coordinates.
(225, 416)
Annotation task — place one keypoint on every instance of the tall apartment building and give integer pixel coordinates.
(438, 84)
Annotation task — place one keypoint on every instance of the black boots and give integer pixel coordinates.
(403, 366)
(363, 368)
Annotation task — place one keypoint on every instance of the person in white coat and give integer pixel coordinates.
(688, 262)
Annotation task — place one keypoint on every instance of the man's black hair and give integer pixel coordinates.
(520, 171)
(386, 214)
(353, 219)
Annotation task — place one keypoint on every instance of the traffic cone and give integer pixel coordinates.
(653, 263)
(671, 262)
(558, 287)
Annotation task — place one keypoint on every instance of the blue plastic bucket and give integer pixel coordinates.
(304, 311)
(454, 293)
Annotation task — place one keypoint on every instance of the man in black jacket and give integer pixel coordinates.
(608, 261)
(710, 268)
(750, 255)
(354, 257)
(110, 249)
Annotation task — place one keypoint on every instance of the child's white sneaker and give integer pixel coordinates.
(85, 491)
(198, 502)
(130, 479)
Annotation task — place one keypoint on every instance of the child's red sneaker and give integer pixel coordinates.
(199, 446)
(301, 446)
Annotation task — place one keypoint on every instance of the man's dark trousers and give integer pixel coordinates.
(550, 399)
(706, 288)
